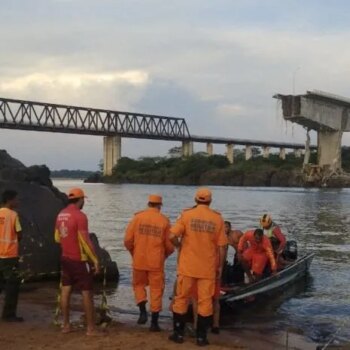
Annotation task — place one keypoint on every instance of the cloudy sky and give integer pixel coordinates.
(216, 63)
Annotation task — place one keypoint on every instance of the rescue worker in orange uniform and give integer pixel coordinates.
(147, 240)
(10, 235)
(78, 253)
(257, 255)
(274, 233)
(200, 232)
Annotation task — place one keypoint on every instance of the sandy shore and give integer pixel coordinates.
(38, 332)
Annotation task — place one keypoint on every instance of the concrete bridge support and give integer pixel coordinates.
(266, 152)
(248, 152)
(329, 149)
(229, 152)
(210, 149)
(112, 151)
(187, 148)
(282, 154)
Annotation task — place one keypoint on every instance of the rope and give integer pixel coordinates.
(104, 305)
(104, 310)
(58, 306)
(331, 340)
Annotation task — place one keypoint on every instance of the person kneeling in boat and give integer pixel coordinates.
(277, 238)
(254, 259)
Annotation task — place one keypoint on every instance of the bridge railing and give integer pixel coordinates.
(29, 115)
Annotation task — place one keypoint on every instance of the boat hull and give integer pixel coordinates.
(271, 284)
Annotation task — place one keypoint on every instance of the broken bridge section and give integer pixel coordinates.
(328, 115)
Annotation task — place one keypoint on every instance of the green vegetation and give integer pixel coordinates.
(201, 169)
(345, 154)
(71, 174)
(167, 170)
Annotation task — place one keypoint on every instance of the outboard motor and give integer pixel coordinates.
(291, 250)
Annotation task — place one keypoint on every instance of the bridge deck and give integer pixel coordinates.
(50, 117)
(39, 116)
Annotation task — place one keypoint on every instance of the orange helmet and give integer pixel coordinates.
(203, 195)
(265, 221)
(155, 199)
(76, 193)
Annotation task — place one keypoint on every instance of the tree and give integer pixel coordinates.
(256, 151)
(101, 165)
(175, 152)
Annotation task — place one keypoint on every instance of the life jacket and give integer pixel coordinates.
(8, 234)
(269, 232)
(275, 242)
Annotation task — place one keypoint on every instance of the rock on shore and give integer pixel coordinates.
(40, 203)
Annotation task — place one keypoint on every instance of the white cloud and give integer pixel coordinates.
(230, 110)
(73, 80)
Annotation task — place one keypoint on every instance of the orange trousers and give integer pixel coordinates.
(256, 260)
(184, 291)
(155, 281)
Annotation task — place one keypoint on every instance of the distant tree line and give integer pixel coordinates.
(71, 174)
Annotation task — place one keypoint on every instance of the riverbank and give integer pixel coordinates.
(214, 170)
(203, 170)
(37, 304)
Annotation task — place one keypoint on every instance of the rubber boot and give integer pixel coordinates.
(154, 322)
(203, 324)
(143, 313)
(179, 329)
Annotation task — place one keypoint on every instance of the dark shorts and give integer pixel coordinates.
(77, 274)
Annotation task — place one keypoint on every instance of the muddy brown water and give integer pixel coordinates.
(317, 218)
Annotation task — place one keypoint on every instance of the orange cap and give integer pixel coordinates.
(76, 193)
(203, 195)
(155, 199)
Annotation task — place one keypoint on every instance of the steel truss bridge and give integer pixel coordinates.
(39, 116)
(50, 117)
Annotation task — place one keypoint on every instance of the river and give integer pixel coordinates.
(317, 218)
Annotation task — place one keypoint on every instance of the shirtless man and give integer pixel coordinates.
(233, 237)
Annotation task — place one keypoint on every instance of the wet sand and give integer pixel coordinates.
(38, 332)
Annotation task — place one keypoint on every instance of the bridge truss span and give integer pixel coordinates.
(38, 116)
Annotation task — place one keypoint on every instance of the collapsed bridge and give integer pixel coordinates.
(328, 115)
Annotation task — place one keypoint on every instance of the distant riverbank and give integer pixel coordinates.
(214, 170)
(70, 174)
(201, 169)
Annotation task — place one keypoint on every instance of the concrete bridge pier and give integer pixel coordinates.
(112, 151)
(248, 152)
(282, 154)
(229, 152)
(266, 152)
(187, 148)
(210, 149)
(329, 148)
